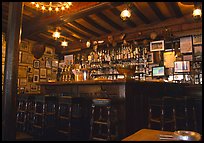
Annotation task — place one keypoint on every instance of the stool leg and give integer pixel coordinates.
(162, 119)
(194, 119)
(109, 124)
(91, 122)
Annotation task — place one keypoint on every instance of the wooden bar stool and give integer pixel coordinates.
(162, 113)
(185, 113)
(69, 115)
(100, 123)
(44, 117)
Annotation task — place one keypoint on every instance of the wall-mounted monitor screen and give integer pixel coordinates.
(158, 71)
(181, 66)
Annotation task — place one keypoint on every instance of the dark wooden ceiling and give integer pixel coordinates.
(98, 20)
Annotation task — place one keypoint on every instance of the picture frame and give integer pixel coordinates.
(42, 62)
(197, 50)
(49, 51)
(33, 87)
(36, 72)
(186, 44)
(26, 58)
(197, 39)
(22, 71)
(36, 78)
(55, 63)
(43, 72)
(48, 62)
(49, 72)
(187, 57)
(22, 81)
(24, 46)
(150, 58)
(30, 78)
(36, 64)
(157, 45)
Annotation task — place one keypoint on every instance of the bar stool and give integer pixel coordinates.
(21, 114)
(100, 123)
(161, 112)
(44, 118)
(185, 113)
(69, 115)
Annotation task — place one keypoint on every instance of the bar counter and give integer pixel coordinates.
(128, 96)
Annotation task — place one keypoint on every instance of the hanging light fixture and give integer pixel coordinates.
(64, 43)
(125, 14)
(56, 34)
(52, 6)
(197, 12)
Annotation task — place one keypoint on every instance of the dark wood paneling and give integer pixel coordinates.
(156, 10)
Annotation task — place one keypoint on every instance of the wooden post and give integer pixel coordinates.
(13, 37)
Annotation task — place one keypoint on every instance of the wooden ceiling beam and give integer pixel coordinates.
(156, 10)
(109, 21)
(85, 29)
(76, 32)
(174, 8)
(139, 14)
(94, 24)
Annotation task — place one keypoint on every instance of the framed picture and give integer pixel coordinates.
(22, 71)
(43, 80)
(49, 73)
(33, 87)
(197, 50)
(49, 51)
(186, 44)
(30, 77)
(169, 59)
(42, 62)
(150, 58)
(36, 78)
(36, 64)
(36, 72)
(22, 81)
(26, 58)
(42, 73)
(48, 62)
(197, 39)
(187, 57)
(55, 63)
(157, 45)
(24, 46)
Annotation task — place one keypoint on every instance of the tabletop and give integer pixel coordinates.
(147, 135)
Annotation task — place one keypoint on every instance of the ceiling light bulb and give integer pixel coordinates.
(125, 14)
(62, 8)
(50, 9)
(37, 5)
(64, 43)
(56, 34)
(197, 12)
(57, 9)
(43, 7)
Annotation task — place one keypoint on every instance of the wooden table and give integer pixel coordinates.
(147, 135)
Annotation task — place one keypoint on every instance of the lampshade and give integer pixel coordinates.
(125, 14)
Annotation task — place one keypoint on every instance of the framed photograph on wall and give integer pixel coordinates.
(22, 81)
(49, 51)
(24, 46)
(36, 78)
(42, 62)
(22, 71)
(33, 87)
(157, 45)
(186, 44)
(30, 77)
(42, 73)
(197, 39)
(36, 64)
(169, 59)
(48, 62)
(187, 57)
(26, 58)
(150, 58)
(55, 63)
(36, 72)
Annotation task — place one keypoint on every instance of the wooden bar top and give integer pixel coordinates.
(147, 135)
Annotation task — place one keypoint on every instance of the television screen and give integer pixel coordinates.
(158, 71)
(181, 66)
